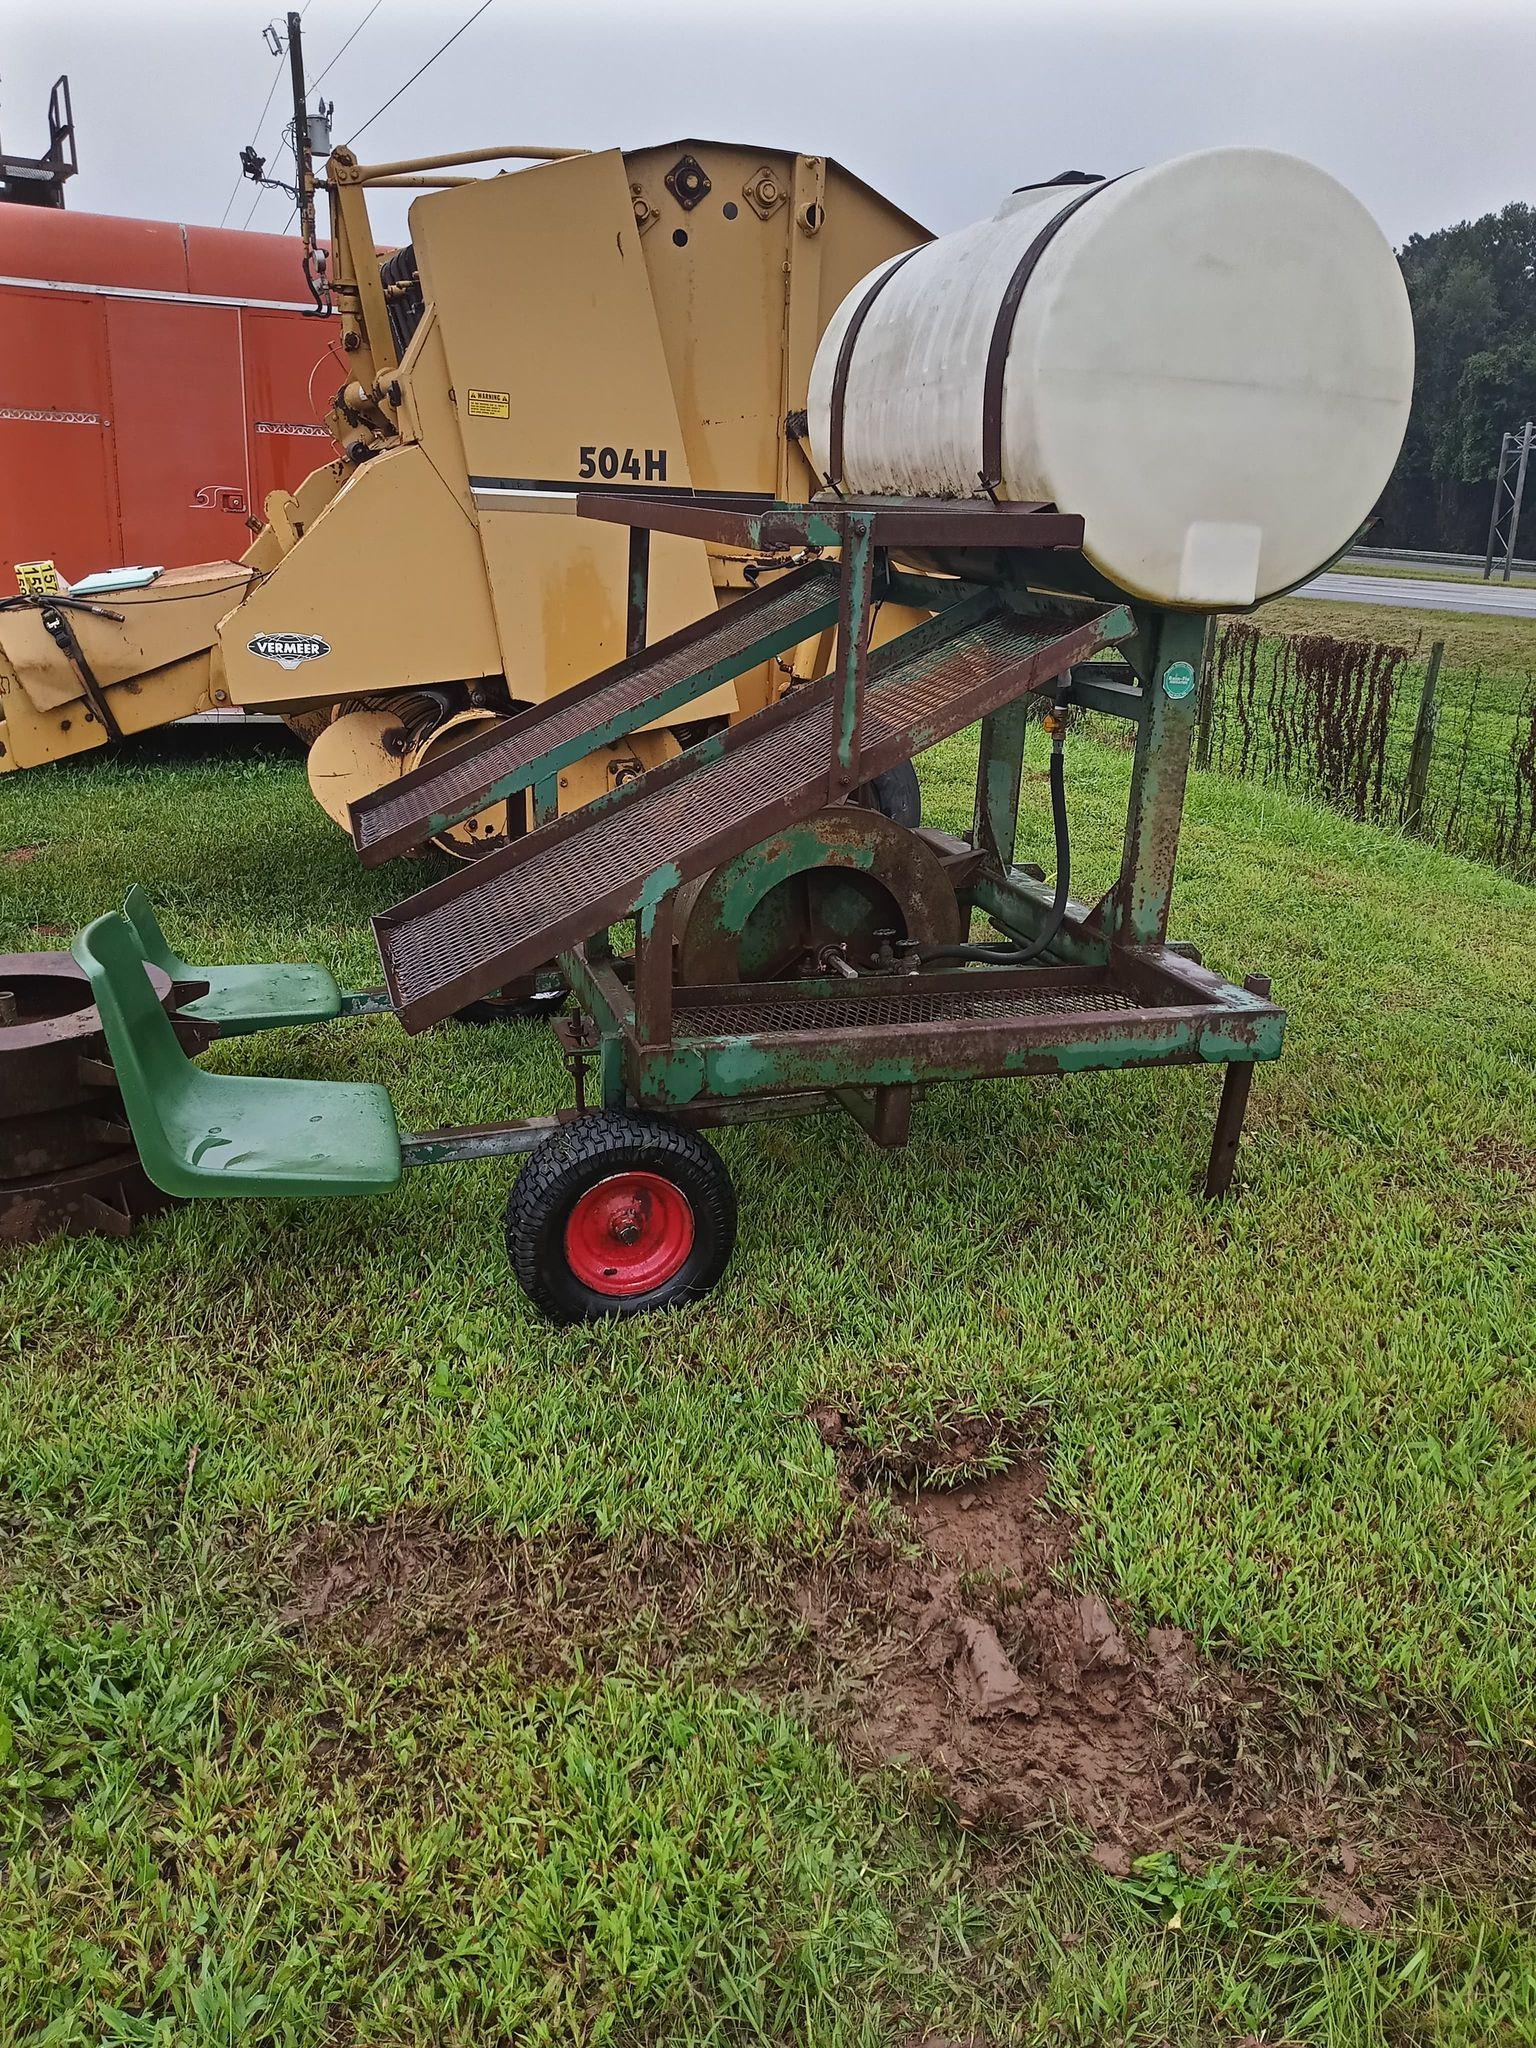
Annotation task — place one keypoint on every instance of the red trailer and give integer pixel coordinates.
(156, 381)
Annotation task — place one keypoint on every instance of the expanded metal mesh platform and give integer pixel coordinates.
(404, 813)
(854, 1011)
(511, 912)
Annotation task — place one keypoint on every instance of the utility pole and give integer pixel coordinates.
(1508, 491)
(311, 136)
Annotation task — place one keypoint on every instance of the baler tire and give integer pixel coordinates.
(535, 1009)
(554, 1232)
(896, 795)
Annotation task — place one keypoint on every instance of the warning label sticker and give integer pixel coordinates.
(490, 405)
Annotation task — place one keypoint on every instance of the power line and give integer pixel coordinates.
(351, 39)
(266, 103)
(255, 132)
(417, 74)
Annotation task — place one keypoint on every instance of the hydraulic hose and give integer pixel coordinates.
(1015, 956)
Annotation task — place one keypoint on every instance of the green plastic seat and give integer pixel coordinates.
(258, 997)
(227, 1134)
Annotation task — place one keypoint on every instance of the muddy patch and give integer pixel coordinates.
(1030, 1703)
(950, 1642)
(18, 856)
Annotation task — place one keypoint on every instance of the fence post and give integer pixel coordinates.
(1423, 743)
(1205, 706)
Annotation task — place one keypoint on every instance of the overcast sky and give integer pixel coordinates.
(1428, 111)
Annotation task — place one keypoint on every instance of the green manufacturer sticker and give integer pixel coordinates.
(1178, 679)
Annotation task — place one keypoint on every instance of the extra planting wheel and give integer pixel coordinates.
(617, 1214)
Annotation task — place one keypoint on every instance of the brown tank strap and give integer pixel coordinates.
(1002, 335)
(845, 359)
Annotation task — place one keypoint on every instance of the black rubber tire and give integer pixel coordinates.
(896, 795)
(535, 1009)
(562, 1169)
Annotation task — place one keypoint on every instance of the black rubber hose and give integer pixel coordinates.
(1015, 956)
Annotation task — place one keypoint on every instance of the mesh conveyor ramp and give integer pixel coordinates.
(511, 912)
(618, 700)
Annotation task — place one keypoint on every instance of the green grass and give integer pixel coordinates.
(1302, 1426)
(1427, 572)
(1503, 647)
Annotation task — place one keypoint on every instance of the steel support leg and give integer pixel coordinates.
(1145, 888)
(855, 595)
(999, 772)
(1230, 1113)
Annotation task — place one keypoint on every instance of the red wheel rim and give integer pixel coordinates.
(630, 1233)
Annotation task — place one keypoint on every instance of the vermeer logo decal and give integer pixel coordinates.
(289, 649)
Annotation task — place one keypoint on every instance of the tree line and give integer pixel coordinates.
(1473, 292)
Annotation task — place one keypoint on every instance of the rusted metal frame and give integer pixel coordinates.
(886, 1055)
(761, 529)
(927, 593)
(980, 979)
(962, 860)
(957, 523)
(1017, 904)
(1096, 687)
(604, 999)
(423, 823)
(638, 591)
(480, 1141)
(569, 932)
(1161, 973)
(1162, 978)
(654, 967)
(996, 372)
(854, 609)
(969, 523)
(883, 1114)
(839, 397)
(1033, 672)
(57, 626)
(457, 1142)
(1138, 912)
(999, 776)
(599, 992)
(784, 808)
(897, 522)
(48, 1061)
(575, 926)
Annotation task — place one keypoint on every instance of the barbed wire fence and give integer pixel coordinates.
(1383, 733)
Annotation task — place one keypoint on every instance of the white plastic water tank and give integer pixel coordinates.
(1210, 360)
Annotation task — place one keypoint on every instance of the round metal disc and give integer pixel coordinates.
(835, 880)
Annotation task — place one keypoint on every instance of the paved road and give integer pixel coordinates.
(1413, 593)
